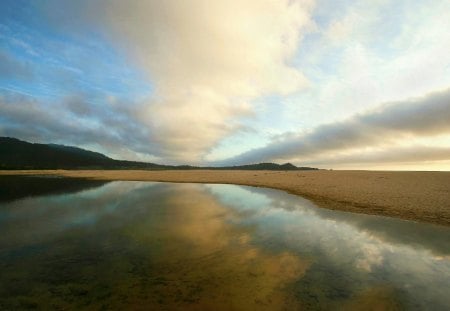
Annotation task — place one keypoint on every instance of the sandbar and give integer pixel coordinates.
(417, 196)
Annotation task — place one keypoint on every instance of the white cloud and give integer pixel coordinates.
(371, 52)
(208, 61)
(363, 54)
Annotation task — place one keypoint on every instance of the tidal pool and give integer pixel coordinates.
(166, 246)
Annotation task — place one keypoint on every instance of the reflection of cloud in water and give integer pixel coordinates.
(34, 220)
(239, 274)
(203, 246)
(178, 234)
(373, 251)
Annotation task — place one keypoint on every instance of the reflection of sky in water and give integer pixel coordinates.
(419, 270)
(315, 254)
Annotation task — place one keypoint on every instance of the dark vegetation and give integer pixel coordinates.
(17, 187)
(18, 154)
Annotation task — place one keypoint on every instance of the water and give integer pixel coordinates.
(147, 246)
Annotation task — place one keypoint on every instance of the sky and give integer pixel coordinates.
(324, 83)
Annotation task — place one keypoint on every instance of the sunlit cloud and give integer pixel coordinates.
(207, 61)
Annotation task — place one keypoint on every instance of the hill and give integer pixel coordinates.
(266, 166)
(18, 154)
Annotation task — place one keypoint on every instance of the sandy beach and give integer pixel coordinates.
(418, 196)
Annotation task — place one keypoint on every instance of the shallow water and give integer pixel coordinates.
(142, 245)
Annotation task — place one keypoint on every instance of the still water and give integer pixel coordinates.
(164, 246)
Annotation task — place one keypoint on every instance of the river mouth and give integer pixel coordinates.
(145, 245)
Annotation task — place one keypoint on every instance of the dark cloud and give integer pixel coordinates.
(114, 130)
(78, 106)
(425, 116)
(13, 68)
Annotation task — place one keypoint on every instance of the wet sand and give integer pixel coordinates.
(418, 196)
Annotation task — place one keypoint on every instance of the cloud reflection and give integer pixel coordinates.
(215, 246)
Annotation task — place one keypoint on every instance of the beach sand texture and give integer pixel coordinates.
(418, 196)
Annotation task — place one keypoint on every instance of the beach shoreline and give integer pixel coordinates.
(417, 196)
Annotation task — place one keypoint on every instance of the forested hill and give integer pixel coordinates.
(18, 154)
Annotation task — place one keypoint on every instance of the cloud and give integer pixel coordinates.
(13, 68)
(78, 106)
(383, 128)
(114, 131)
(188, 81)
(368, 52)
(207, 60)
